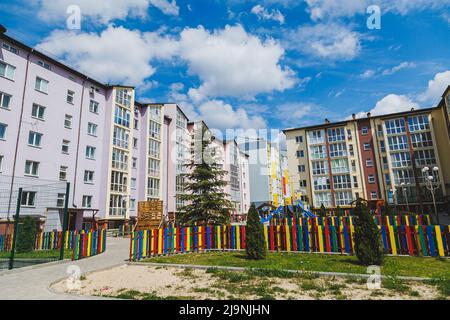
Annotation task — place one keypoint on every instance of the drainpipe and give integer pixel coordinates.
(17, 139)
(78, 146)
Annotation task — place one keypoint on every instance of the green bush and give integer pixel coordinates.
(368, 245)
(255, 244)
(26, 235)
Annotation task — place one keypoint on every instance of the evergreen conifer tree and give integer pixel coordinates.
(26, 236)
(255, 244)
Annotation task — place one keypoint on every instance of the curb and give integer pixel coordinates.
(36, 266)
(320, 273)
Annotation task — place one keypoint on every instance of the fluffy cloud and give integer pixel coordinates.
(325, 41)
(369, 73)
(264, 14)
(231, 62)
(391, 103)
(326, 9)
(103, 11)
(107, 56)
(220, 115)
(436, 88)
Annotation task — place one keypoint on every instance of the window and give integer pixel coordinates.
(88, 176)
(343, 198)
(10, 48)
(387, 177)
(31, 168)
(403, 176)
(135, 143)
(34, 139)
(301, 168)
(3, 131)
(421, 140)
(118, 205)
(123, 97)
(374, 195)
(1, 163)
(133, 204)
(338, 150)
(335, 135)
(303, 183)
(93, 106)
(351, 150)
(355, 182)
(318, 152)
(68, 121)
(61, 200)
(44, 65)
(92, 129)
(70, 96)
(87, 201)
(299, 139)
(7, 71)
(395, 126)
(316, 136)
(320, 168)
(133, 183)
(122, 116)
(365, 131)
(65, 146)
(371, 179)
(425, 158)
(134, 163)
(119, 159)
(121, 137)
(154, 148)
(28, 199)
(339, 166)
(385, 163)
(5, 100)
(342, 182)
(41, 85)
(369, 163)
(321, 183)
(153, 187)
(90, 152)
(153, 168)
(300, 153)
(418, 123)
(155, 130)
(136, 124)
(401, 159)
(119, 181)
(63, 173)
(382, 146)
(398, 143)
(367, 146)
(38, 111)
(324, 198)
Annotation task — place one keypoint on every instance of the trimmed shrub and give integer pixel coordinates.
(254, 236)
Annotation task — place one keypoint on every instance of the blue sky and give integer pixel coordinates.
(252, 64)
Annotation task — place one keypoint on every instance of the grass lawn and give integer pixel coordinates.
(393, 266)
(50, 254)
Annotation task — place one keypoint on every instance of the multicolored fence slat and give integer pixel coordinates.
(88, 244)
(308, 235)
(44, 241)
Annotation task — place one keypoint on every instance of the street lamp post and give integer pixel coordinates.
(429, 182)
(405, 195)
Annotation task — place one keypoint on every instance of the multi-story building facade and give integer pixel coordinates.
(379, 158)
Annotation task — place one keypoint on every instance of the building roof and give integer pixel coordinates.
(344, 122)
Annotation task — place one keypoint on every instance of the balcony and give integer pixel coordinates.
(117, 212)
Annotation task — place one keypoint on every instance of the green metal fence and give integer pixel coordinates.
(24, 205)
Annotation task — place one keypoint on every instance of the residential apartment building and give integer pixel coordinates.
(379, 158)
(265, 175)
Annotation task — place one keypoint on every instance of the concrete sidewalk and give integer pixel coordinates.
(34, 283)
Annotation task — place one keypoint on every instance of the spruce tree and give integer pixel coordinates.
(368, 246)
(323, 211)
(204, 187)
(255, 243)
(26, 236)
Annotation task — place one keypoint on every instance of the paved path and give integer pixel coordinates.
(34, 283)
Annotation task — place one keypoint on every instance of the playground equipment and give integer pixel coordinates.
(280, 210)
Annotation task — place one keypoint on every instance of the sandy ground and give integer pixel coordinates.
(179, 283)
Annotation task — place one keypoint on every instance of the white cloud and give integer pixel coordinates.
(436, 88)
(219, 115)
(329, 9)
(391, 103)
(367, 74)
(326, 41)
(107, 56)
(231, 62)
(103, 11)
(401, 66)
(264, 14)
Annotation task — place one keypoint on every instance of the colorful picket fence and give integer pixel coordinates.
(88, 244)
(43, 241)
(5, 242)
(399, 220)
(397, 240)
